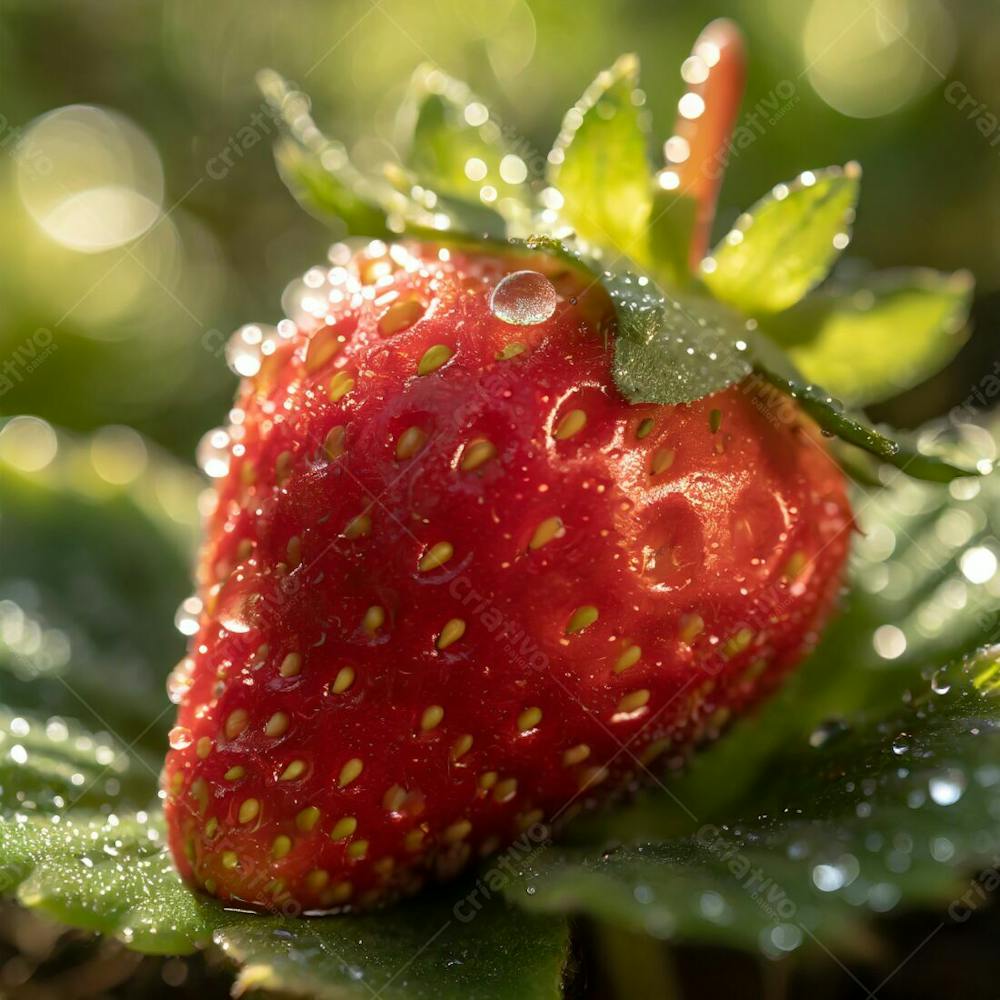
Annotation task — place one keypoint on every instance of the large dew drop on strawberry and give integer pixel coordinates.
(456, 587)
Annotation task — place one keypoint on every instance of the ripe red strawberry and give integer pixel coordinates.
(455, 585)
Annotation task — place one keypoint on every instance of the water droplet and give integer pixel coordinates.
(524, 298)
(179, 680)
(978, 565)
(940, 683)
(901, 744)
(786, 937)
(179, 738)
(831, 877)
(889, 642)
(245, 348)
(213, 453)
(714, 908)
(186, 617)
(947, 787)
(236, 611)
(942, 849)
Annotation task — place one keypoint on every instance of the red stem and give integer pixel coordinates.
(699, 149)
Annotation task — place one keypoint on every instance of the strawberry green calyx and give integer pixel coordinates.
(685, 325)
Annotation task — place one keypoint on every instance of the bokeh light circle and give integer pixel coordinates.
(868, 58)
(94, 180)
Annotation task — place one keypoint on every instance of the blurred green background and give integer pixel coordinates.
(141, 228)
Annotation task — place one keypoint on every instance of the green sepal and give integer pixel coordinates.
(786, 243)
(875, 336)
(320, 175)
(444, 212)
(441, 146)
(672, 350)
(599, 164)
(669, 231)
(830, 416)
(317, 170)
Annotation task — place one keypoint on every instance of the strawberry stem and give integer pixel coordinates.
(698, 150)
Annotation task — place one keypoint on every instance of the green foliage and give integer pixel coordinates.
(671, 225)
(829, 414)
(869, 339)
(599, 163)
(786, 243)
(317, 170)
(89, 633)
(672, 350)
(442, 147)
(417, 951)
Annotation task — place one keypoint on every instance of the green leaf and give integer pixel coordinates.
(91, 573)
(105, 873)
(456, 146)
(434, 948)
(786, 243)
(599, 163)
(669, 350)
(872, 338)
(320, 175)
(56, 765)
(829, 414)
(317, 170)
(325, 184)
(442, 213)
(671, 226)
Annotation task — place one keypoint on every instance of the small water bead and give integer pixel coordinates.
(186, 616)
(978, 565)
(179, 680)
(213, 453)
(901, 744)
(246, 346)
(179, 738)
(947, 787)
(524, 298)
(940, 684)
(236, 611)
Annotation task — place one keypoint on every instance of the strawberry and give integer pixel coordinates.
(497, 529)
(455, 585)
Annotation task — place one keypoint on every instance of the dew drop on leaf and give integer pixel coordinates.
(940, 684)
(524, 298)
(947, 787)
